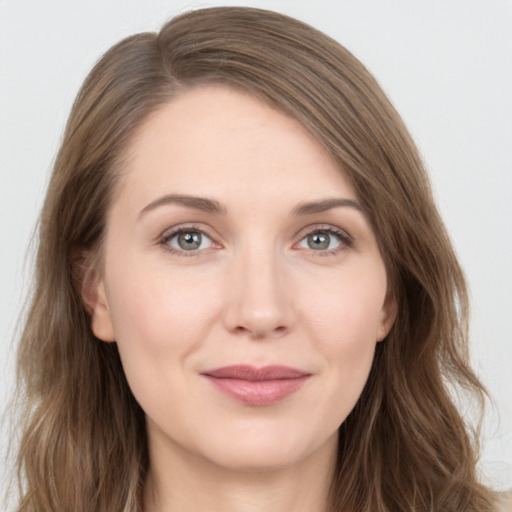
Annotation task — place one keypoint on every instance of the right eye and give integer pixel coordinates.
(187, 240)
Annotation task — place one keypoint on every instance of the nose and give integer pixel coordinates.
(258, 297)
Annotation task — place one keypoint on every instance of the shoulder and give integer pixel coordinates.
(504, 502)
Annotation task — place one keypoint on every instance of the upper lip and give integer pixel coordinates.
(254, 374)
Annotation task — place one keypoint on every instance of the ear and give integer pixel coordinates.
(92, 288)
(388, 316)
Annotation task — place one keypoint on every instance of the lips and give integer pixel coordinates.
(257, 386)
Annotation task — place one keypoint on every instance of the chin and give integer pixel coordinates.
(251, 461)
(267, 452)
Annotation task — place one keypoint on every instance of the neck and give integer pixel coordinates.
(184, 482)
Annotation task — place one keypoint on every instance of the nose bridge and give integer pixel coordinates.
(258, 302)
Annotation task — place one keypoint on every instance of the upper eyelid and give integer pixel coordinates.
(323, 227)
(173, 231)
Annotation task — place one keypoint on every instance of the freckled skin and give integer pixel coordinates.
(256, 293)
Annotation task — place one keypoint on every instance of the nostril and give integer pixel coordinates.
(260, 332)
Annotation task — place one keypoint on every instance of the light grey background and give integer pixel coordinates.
(446, 64)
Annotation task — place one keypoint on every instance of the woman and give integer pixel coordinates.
(245, 296)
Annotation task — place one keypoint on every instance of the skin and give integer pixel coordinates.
(257, 291)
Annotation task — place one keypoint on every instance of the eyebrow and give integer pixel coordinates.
(324, 205)
(212, 206)
(198, 203)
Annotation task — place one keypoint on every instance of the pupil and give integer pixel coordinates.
(318, 241)
(189, 240)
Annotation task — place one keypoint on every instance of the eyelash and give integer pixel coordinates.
(345, 239)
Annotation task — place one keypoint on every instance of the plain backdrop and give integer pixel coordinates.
(447, 66)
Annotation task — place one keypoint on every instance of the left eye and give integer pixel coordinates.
(321, 240)
(189, 240)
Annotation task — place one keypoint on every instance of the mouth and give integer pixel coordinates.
(257, 386)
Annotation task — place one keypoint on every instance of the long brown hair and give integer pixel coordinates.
(405, 446)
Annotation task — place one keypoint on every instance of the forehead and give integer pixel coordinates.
(214, 140)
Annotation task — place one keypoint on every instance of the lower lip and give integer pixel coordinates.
(262, 392)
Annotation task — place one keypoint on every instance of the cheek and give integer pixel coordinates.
(343, 321)
(347, 310)
(160, 310)
(159, 319)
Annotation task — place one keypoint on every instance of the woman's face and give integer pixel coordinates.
(241, 281)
